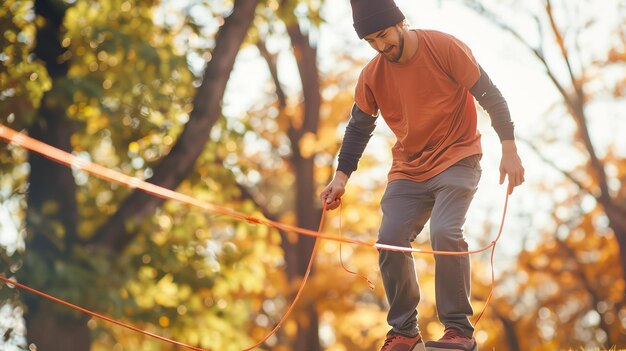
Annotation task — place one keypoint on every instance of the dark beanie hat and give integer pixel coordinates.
(370, 16)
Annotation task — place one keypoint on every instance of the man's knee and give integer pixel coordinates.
(395, 234)
(447, 237)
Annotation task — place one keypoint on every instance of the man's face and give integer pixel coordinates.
(389, 42)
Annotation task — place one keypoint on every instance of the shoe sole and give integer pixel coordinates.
(434, 348)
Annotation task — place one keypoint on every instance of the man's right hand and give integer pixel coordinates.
(331, 195)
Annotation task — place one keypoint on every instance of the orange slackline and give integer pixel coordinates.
(369, 282)
(297, 298)
(128, 326)
(67, 159)
(24, 287)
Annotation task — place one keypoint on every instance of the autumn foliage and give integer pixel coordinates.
(154, 90)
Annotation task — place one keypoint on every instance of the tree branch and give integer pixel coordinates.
(537, 51)
(270, 59)
(565, 173)
(121, 228)
(575, 106)
(306, 59)
(578, 113)
(564, 52)
(293, 133)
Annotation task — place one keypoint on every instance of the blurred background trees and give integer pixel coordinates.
(157, 90)
(573, 274)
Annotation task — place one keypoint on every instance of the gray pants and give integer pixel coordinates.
(406, 207)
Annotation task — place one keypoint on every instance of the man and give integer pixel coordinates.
(423, 83)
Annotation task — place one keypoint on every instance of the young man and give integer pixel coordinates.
(423, 83)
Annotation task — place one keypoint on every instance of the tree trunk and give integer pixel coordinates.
(118, 231)
(48, 334)
(307, 213)
(51, 199)
(308, 217)
(617, 222)
(52, 186)
(511, 337)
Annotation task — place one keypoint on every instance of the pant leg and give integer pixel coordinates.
(406, 207)
(454, 190)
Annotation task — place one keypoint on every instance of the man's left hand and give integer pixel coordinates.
(511, 165)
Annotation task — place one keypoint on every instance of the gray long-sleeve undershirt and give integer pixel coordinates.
(361, 125)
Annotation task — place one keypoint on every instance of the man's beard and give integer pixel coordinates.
(400, 48)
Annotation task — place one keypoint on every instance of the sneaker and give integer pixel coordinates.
(452, 339)
(399, 342)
